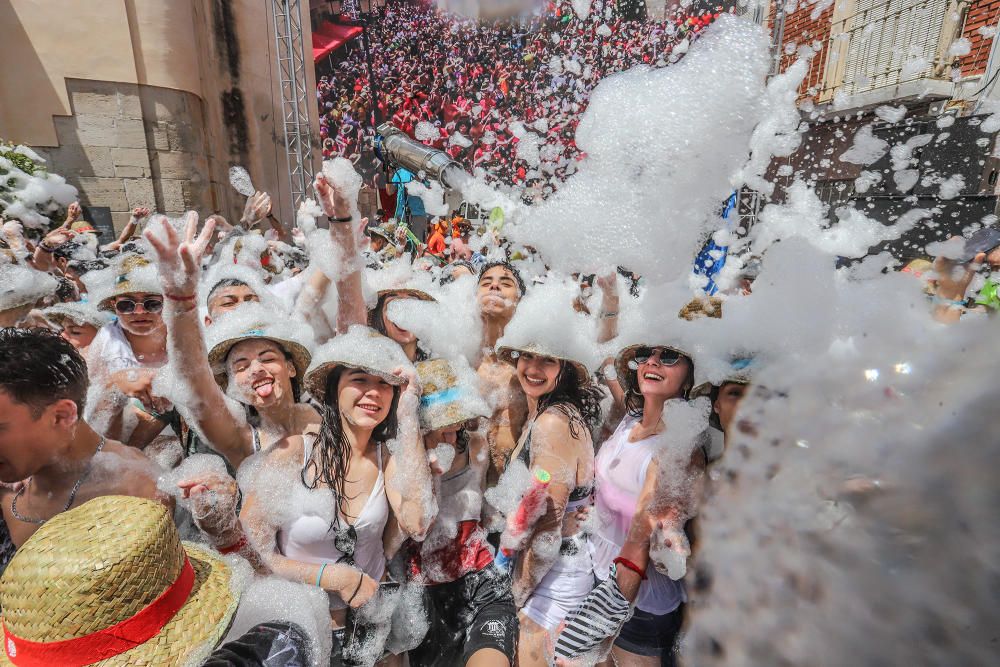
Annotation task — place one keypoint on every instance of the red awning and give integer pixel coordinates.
(330, 37)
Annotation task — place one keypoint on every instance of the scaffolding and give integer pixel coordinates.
(295, 96)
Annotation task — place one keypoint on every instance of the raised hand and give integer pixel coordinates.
(140, 212)
(214, 499)
(331, 197)
(257, 208)
(180, 262)
(73, 213)
(58, 236)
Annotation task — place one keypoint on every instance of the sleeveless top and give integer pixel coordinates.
(620, 475)
(311, 539)
(578, 496)
(461, 504)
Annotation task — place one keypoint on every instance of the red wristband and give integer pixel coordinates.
(630, 565)
(181, 297)
(236, 546)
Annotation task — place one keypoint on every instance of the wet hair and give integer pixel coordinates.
(82, 266)
(634, 400)
(376, 320)
(38, 367)
(510, 268)
(66, 250)
(225, 282)
(66, 289)
(447, 276)
(581, 404)
(334, 448)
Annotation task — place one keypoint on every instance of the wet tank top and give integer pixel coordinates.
(309, 538)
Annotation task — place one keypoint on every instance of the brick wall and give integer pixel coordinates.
(127, 145)
(982, 14)
(801, 29)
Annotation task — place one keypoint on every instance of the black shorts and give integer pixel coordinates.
(472, 613)
(652, 635)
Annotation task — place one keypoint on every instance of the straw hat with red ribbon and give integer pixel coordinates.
(110, 583)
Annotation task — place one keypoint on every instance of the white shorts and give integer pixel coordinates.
(561, 590)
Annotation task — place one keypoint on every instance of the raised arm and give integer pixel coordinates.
(410, 490)
(205, 407)
(337, 206)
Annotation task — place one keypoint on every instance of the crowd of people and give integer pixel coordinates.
(540, 504)
(338, 442)
(504, 98)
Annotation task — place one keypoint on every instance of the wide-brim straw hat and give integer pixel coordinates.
(110, 583)
(701, 307)
(510, 355)
(361, 348)
(299, 353)
(21, 285)
(623, 363)
(445, 401)
(406, 293)
(134, 274)
(381, 232)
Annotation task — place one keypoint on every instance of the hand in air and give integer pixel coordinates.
(179, 262)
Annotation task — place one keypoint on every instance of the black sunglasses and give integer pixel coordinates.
(667, 356)
(345, 539)
(150, 305)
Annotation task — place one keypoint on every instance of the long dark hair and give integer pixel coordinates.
(580, 403)
(334, 449)
(376, 320)
(634, 401)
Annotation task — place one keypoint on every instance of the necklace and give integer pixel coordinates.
(72, 493)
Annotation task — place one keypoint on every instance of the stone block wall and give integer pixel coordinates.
(129, 145)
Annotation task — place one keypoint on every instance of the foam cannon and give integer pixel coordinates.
(393, 147)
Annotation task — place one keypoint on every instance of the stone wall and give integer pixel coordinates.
(129, 145)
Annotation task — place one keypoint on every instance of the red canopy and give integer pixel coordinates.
(330, 37)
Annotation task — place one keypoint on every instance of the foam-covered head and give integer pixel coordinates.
(361, 348)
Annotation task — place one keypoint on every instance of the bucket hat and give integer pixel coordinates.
(229, 332)
(445, 400)
(361, 348)
(132, 274)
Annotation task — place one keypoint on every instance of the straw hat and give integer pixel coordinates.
(21, 285)
(134, 274)
(706, 307)
(227, 340)
(445, 401)
(510, 355)
(406, 293)
(362, 348)
(110, 583)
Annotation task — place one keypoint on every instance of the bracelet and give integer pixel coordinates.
(235, 546)
(319, 577)
(44, 247)
(180, 297)
(630, 565)
(347, 219)
(354, 594)
(608, 315)
(941, 301)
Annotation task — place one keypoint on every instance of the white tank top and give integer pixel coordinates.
(310, 539)
(620, 475)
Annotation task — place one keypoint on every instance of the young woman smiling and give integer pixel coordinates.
(563, 406)
(368, 395)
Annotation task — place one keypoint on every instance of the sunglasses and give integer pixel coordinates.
(345, 539)
(667, 356)
(150, 305)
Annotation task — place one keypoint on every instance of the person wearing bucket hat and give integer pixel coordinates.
(726, 395)
(470, 609)
(639, 608)
(50, 457)
(258, 363)
(181, 596)
(78, 323)
(563, 408)
(368, 395)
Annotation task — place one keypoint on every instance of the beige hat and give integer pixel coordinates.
(445, 401)
(626, 358)
(77, 312)
(362, 348)
(217, 355)
(110, 583)
(133, 274)
(511, 354)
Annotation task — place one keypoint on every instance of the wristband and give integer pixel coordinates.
(180, 297)
(319, 577)
(347, 219)
(941, 301)
(630, 565)
(609, 315)
(44, 247)
(235, 547)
